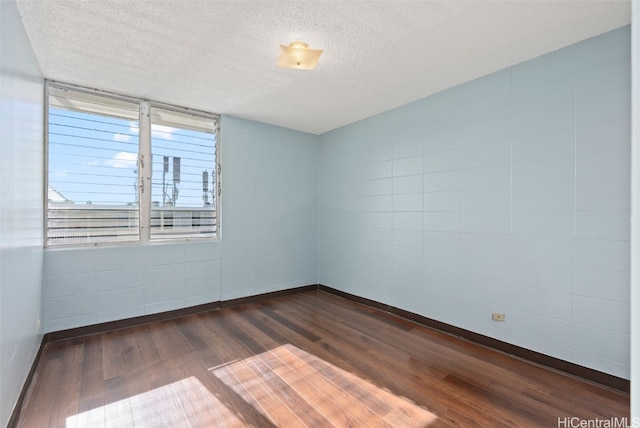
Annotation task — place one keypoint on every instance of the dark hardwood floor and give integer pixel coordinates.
(307, 359)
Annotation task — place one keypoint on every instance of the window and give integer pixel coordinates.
(121, 169)
(183, 174)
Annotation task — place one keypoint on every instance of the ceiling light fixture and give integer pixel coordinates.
(298, 55)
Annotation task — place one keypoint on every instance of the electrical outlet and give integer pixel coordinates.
(38, 326)
(497, 317)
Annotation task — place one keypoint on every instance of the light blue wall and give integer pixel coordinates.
(92, 285)
(268, 243)
(269, 208)
(21, 195)
(509, 194)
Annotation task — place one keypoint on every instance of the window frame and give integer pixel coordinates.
(145, 167)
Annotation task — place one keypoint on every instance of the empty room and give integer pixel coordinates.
(319, 213)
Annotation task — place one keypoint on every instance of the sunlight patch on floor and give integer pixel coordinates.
(291, 387)
(171, 405)
(285, 386)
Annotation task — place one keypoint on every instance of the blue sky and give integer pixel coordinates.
(93, 158)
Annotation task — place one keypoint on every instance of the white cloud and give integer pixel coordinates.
(133, 128)
(123, 160)
(158, 131)
(161, 131)
(122, 137)
(62, 173)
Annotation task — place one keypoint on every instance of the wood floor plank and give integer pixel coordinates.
(307, 334)
(68, 392)
(261, 393)
(324, 404)
(169, 340)
(225, 349)
(308, 359)
(92, 375)
(233, 325)
(300, 407)
(117, 408)
(356, 407)
(92, 393)
(38, 406)
(120, 353)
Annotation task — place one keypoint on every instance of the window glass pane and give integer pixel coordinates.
(183, 198)
(93, 176)
(95, 193)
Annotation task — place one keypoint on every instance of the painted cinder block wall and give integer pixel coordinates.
(508, 194)
(21, 214)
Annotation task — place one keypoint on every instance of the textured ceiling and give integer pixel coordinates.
(220, 56)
